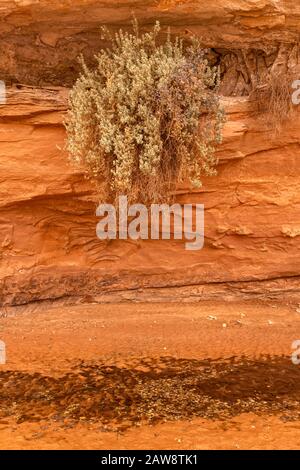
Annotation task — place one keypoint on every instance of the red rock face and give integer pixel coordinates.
(48, 243)
(40, 40)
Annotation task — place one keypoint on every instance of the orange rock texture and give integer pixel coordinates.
(48, 245)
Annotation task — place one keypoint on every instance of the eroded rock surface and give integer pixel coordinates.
(40, 40)
(48, 244)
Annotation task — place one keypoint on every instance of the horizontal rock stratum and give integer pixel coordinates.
(48, 244)
(40, 40)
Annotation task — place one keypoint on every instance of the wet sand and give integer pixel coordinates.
(150, 376)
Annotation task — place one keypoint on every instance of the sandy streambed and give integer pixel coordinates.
(209, 375)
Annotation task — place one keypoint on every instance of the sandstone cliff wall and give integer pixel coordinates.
(48, 244)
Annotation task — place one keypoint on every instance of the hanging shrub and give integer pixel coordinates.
(147, 117)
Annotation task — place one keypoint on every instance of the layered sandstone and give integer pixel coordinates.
(48, 244)
(40, 40)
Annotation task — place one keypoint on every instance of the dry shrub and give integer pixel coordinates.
(273, 94)
(147, 117)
